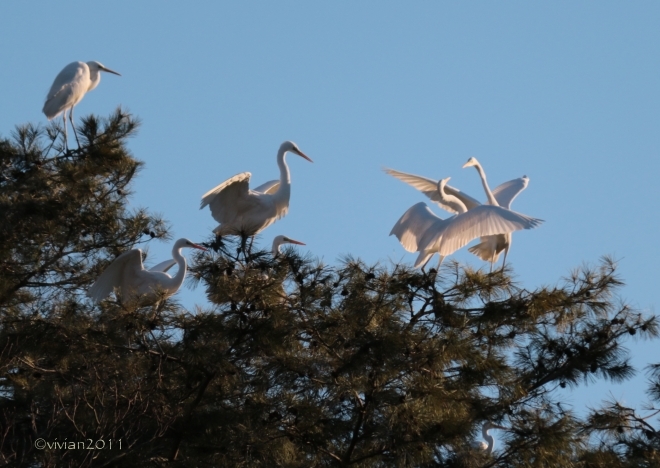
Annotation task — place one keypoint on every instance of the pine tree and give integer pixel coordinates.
(292, 363)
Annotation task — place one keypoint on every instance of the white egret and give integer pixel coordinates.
(280, 240)
(127, 274)
(488, 447)
(420, 230)
(490, 247)
(245, 212)
(68, 89)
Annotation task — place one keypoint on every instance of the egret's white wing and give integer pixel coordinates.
(71, 83)
(121, 273)
(429, 188)
(227, 199)
(239, 184)
(164, 266)
(484, 220)
(505, 193)
(269, 187)
(239, 209)
(413, 224)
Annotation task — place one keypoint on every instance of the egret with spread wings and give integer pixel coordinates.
(68, 89)
(490, 247)
(420, 230)
(244, 212)
(132, 281)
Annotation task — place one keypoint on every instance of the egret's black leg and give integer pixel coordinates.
(74, 127)
(66, 137)
(243, 245)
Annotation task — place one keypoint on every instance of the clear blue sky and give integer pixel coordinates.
(564, 92)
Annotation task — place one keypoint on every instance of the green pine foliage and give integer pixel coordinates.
(291, 363)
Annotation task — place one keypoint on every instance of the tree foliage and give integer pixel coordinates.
(292, 363)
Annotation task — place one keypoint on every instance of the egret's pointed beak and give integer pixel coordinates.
(467, 164)
(292, 241)
(300, 153)
(110, 71)
(197, 246)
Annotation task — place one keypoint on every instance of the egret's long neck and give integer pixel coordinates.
(276, 249)
(94, 77)
(177, 280)
(488, 438)
(284, 191)
(484, 182)
(491, 443)
(450, 200)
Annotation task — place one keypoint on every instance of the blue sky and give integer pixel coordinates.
(563, 92)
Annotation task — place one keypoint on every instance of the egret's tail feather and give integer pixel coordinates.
(485, 252)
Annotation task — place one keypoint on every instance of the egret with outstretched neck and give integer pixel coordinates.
(244, 212)
(68, 89)
(490, 247)
(133, 282)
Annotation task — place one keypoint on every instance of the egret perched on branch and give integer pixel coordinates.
(244, 212)
(490, 246)
(487, 437)
(280, 240)
(127, 274)
(68, 89)
(419, 230)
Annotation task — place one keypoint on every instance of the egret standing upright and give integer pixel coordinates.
(490, 246)
(68, 89)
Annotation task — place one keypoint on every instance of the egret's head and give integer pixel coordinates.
(471, 162)
(488, 425)
(94, 65)
(289, 146)
(279, 240)
(185, 243)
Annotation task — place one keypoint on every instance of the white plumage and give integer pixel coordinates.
(245, 212)
(487, 447)
(419, 230)
(127, 275)
(69, 87)
(490, 246)
(281, 240)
